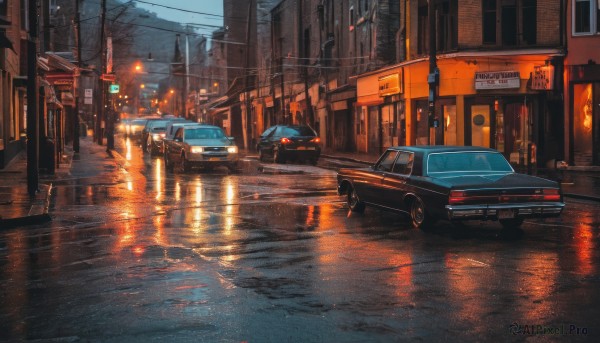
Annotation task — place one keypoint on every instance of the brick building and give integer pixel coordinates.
(582, 84)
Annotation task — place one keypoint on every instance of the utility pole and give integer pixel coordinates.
(32, 103)
(77, 79)
(434, 75)
(247, 132)
(100, 97)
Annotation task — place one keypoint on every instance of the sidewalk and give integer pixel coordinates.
(17, 208)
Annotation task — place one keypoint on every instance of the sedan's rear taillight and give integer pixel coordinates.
(551, 195)
(316, 140)
(457, 197)
(285, 140)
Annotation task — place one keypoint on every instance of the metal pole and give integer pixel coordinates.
(32, 103)
(78, 84)
(433, 78)
(100, 100)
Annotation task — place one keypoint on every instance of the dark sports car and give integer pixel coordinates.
(452, 183)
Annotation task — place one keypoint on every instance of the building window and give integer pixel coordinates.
(423, 31)
(489, 22)
(447, 35)
(24, 15)
(3, 8)
(586, 15)
(509, 22)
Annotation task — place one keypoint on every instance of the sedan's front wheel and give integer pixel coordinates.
(354, 202)
(418, 215)
(185, 165)
(261, 155)
(168, 163)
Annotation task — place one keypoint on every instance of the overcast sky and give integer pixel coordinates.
(212, 12)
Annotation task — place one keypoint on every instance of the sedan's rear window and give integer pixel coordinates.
(296, 131)
(476, 161)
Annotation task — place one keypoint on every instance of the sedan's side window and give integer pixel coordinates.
(387, 161)
(179, 133)
(268, 132)
(277, 132)
(404, 163)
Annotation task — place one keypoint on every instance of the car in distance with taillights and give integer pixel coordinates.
(453, 183)
(201, 146)
(289, 142)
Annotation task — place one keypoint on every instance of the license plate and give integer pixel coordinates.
(214, 159)
(506, 214)
(301, 148)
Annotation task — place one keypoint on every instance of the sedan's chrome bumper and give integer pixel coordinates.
(501, 211)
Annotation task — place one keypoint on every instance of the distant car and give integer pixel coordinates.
(203, 146)
(123, 125)
(289, 142)
(432, 183)
(134, 128)
(154, 133)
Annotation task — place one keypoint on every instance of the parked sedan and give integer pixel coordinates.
(289, 142)
(431, 183)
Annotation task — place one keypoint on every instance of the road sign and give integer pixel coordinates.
(113, 89)
(108, 77)
(88, 93)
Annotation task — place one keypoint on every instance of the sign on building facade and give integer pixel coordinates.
(497, 80)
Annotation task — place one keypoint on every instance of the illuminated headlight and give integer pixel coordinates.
(232, 149)
(156, 136)
(197, 149)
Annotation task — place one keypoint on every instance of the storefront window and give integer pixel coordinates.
(582, 122)
(388, 125)
(450, 125)
(480, 125)
(422, 129)
(516, 135)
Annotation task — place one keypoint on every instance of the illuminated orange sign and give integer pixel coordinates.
(390, 84)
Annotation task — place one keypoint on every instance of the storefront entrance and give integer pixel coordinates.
(502, 123)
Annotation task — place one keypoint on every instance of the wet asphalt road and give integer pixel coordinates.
(134, 254)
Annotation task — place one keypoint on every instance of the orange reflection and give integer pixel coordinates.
(462, 285)
(15, 296)
(128, 149)
(584, 246)
(537, 281)
(159, 180)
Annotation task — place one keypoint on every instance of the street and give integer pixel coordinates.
(271, 254)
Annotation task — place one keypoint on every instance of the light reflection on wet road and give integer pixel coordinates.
(135, 254)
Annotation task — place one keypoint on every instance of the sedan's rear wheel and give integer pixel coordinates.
(277, 158)
(354, 202)
(418, 215)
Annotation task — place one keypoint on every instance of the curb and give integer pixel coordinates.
(582, 196)
(38, 213)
